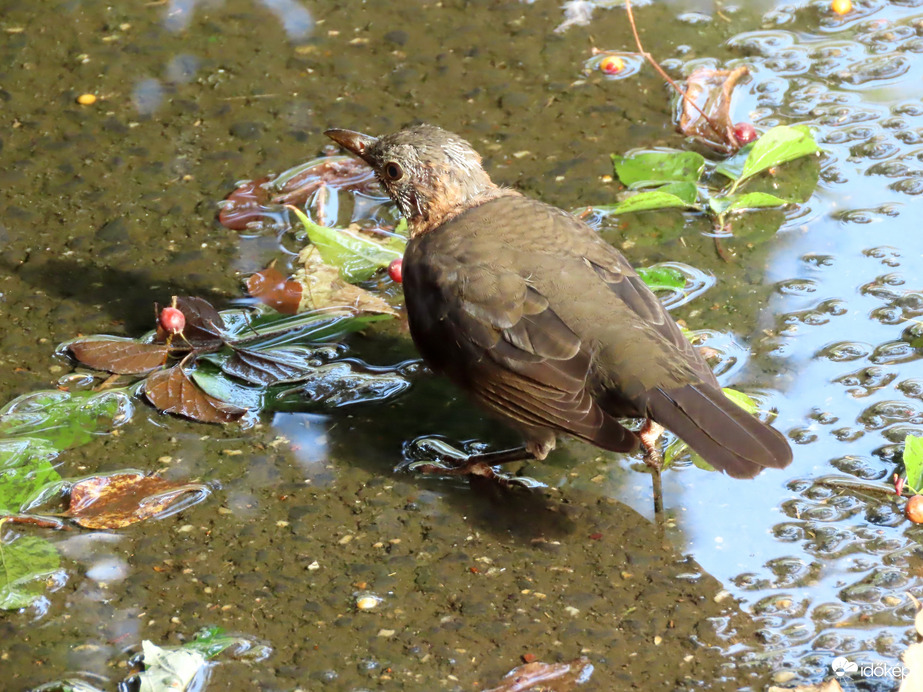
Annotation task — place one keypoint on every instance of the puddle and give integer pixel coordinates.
(111, 206)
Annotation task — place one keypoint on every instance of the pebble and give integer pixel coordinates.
(86, 99)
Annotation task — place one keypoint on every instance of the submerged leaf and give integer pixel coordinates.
(274, 289)
(64, 419)
(662, 278)
(172, 391)
(269, 366)
(120, 356)
(356, 256)
(25, 562)
(658, 167)
(120, 499)
(25, 468)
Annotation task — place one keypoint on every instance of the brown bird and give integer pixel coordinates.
(543, 323)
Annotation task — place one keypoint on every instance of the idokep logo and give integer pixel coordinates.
(842, 665)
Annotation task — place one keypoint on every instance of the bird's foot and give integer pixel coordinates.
(650, 437)
(434, 456)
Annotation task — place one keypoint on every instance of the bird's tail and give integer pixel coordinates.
(726, 436)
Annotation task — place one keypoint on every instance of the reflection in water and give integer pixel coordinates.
(847, 285)
(295, 18)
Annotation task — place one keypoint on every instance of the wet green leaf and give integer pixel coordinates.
(356, 256)
(64, 419)
(646, 201)
(25, 468)
(662, 278)
(745, 401)
(688, 192)
(24, 564)
(656, 168)
(211, 641)
(733, 167)
(754, 200)
(913, 461)
(778, 145)
(218, 386)
(270, 331)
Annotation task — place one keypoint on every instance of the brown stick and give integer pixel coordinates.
(650, 58)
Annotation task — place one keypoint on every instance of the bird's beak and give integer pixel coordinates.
(356, 142)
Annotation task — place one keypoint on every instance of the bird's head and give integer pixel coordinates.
(430, 174)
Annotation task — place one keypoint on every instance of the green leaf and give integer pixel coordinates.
(64, 419)
(356, 256)
(211, 641)
(662, 278)
(688, 192)
(24, 563)
(778, 145)
(646, 201)
(913, 461)
(745, 401)
(747, 200)
(733, 167)
(656, 168)
(218, 385)
(25, 468)
(756, 200)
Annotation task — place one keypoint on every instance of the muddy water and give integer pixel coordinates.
(110, 206)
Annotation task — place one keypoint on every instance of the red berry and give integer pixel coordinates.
(611, 64)
(745, 133)
(396, 270)
(172, 320)
(914, 509)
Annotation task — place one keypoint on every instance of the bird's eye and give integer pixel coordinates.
(394, 171)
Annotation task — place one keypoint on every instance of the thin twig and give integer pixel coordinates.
(650, 58)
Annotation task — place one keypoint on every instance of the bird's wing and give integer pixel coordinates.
(498, 336)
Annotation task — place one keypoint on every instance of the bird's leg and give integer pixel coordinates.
(650, 435)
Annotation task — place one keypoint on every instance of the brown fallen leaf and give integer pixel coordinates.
(121, 356)
(172, 391)
(711, 91)
(271, 287)
(553, 677)
(120, 499)
(322, 287)
(260, 199)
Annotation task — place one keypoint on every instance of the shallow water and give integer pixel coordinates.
(109, 207)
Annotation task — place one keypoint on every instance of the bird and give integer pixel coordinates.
(542, 322)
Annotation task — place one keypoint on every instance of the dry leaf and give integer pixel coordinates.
(120, 499)
(711, 91)
(553, 677)
(121, 356)
(323, 288)
(172, 391)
